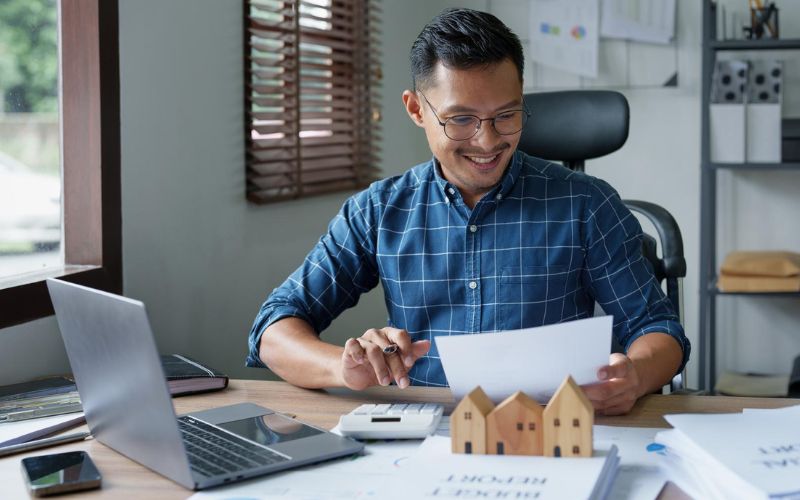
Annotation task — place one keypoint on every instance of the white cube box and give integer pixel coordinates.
(763, 133)
(727, 133)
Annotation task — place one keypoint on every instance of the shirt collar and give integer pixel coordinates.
(505, 186)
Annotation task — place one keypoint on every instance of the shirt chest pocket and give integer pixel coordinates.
(531, 296)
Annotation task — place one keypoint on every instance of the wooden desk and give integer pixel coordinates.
(123, 478)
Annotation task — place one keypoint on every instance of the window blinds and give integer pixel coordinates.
(311, 80)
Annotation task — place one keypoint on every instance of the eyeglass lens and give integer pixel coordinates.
(464, 127)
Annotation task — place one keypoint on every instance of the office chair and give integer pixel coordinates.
(577, 125)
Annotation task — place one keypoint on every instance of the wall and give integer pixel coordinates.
(203, 259)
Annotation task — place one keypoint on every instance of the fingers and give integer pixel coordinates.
(388, 366)
(617, 367)
(354, 354)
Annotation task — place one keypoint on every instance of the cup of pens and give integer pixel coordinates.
(763, 20)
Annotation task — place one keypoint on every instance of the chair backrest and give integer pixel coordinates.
(575, 125)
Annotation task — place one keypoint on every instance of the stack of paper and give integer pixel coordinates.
(752, 454)
(434, 471)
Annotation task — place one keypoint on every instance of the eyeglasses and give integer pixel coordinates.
(463, 127)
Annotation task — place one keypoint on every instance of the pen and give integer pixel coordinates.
(42, 443)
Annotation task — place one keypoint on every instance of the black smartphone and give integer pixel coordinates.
(60, 473)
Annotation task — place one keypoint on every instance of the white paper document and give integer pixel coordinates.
(435, 472)
(564, 34)
(744, 455)
(532, 360)
(650, 21)
(12, 430)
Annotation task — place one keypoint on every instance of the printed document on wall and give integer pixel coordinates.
(564, 34)
(651, 21)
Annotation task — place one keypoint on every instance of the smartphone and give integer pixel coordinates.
(60, 473)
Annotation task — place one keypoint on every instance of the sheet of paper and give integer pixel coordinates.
(762, 449)
(564, 34)
(532, 360)
(434, 471)
(11, 430)
(650, 21)
(640, 476)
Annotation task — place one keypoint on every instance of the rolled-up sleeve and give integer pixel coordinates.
(340, 267)
(621, 279)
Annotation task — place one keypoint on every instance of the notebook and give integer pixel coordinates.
(128, 406)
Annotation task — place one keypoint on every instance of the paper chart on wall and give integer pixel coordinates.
(564, 34)
(651, 21)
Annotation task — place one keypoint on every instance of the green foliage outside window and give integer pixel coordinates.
(28, 56)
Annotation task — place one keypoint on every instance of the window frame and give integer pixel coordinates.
(90, 158)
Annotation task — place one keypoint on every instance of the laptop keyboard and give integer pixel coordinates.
(214, 452)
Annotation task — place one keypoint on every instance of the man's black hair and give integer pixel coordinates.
(462, 39)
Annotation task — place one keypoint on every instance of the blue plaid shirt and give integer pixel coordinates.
(539, 248)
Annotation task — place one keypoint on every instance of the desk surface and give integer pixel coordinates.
(123, 478)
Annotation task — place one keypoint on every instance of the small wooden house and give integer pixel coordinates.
(515, 427)
(568, 421)
(468, 423)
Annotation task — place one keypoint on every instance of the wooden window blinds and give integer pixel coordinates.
(311, 79)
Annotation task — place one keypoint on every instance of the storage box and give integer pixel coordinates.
(727, 112)
(763, 115)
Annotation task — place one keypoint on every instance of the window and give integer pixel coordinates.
(30, 177)
(311, 113)
(531, 426)
(89, 128)
(576, 450)
(576, 422)
(467, 415)
(557, 422)
(519, 426)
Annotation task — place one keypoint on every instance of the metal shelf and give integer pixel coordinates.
(709, 295)
(765, 44)
(755, 166)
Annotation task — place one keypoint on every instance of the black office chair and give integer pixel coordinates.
(577, 125)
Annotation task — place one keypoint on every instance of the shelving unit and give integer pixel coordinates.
(708, 189)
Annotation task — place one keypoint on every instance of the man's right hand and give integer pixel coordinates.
(365, 364)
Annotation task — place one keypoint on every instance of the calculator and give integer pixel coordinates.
(392, 421)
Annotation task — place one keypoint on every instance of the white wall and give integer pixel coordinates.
(203, 259)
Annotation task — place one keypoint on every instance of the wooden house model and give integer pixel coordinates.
(520, 426)
(568, 421)
(514, 427)
(468, 423)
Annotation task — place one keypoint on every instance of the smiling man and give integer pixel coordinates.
(481, 238)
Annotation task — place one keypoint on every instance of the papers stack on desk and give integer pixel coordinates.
(434, 471)
(738, 455)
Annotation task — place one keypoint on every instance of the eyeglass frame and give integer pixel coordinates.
(524, 109)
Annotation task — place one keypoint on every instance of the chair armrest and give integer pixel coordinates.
(669, 235)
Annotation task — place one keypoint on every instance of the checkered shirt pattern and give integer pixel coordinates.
(540, 248)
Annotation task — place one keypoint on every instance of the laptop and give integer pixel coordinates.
(129, 409)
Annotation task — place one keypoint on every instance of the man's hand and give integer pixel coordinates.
(365, 364)
(619, 388)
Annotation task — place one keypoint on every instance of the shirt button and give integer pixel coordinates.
(447, 200)
(499, 196)
(473, 228)
(473, 285)
(451, 191)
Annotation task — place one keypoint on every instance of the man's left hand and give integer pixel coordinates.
(618, 389)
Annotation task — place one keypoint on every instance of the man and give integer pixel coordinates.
(482, 238)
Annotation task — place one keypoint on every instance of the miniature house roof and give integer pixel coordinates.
(519, 398)
(570, 390)
(479, 400)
